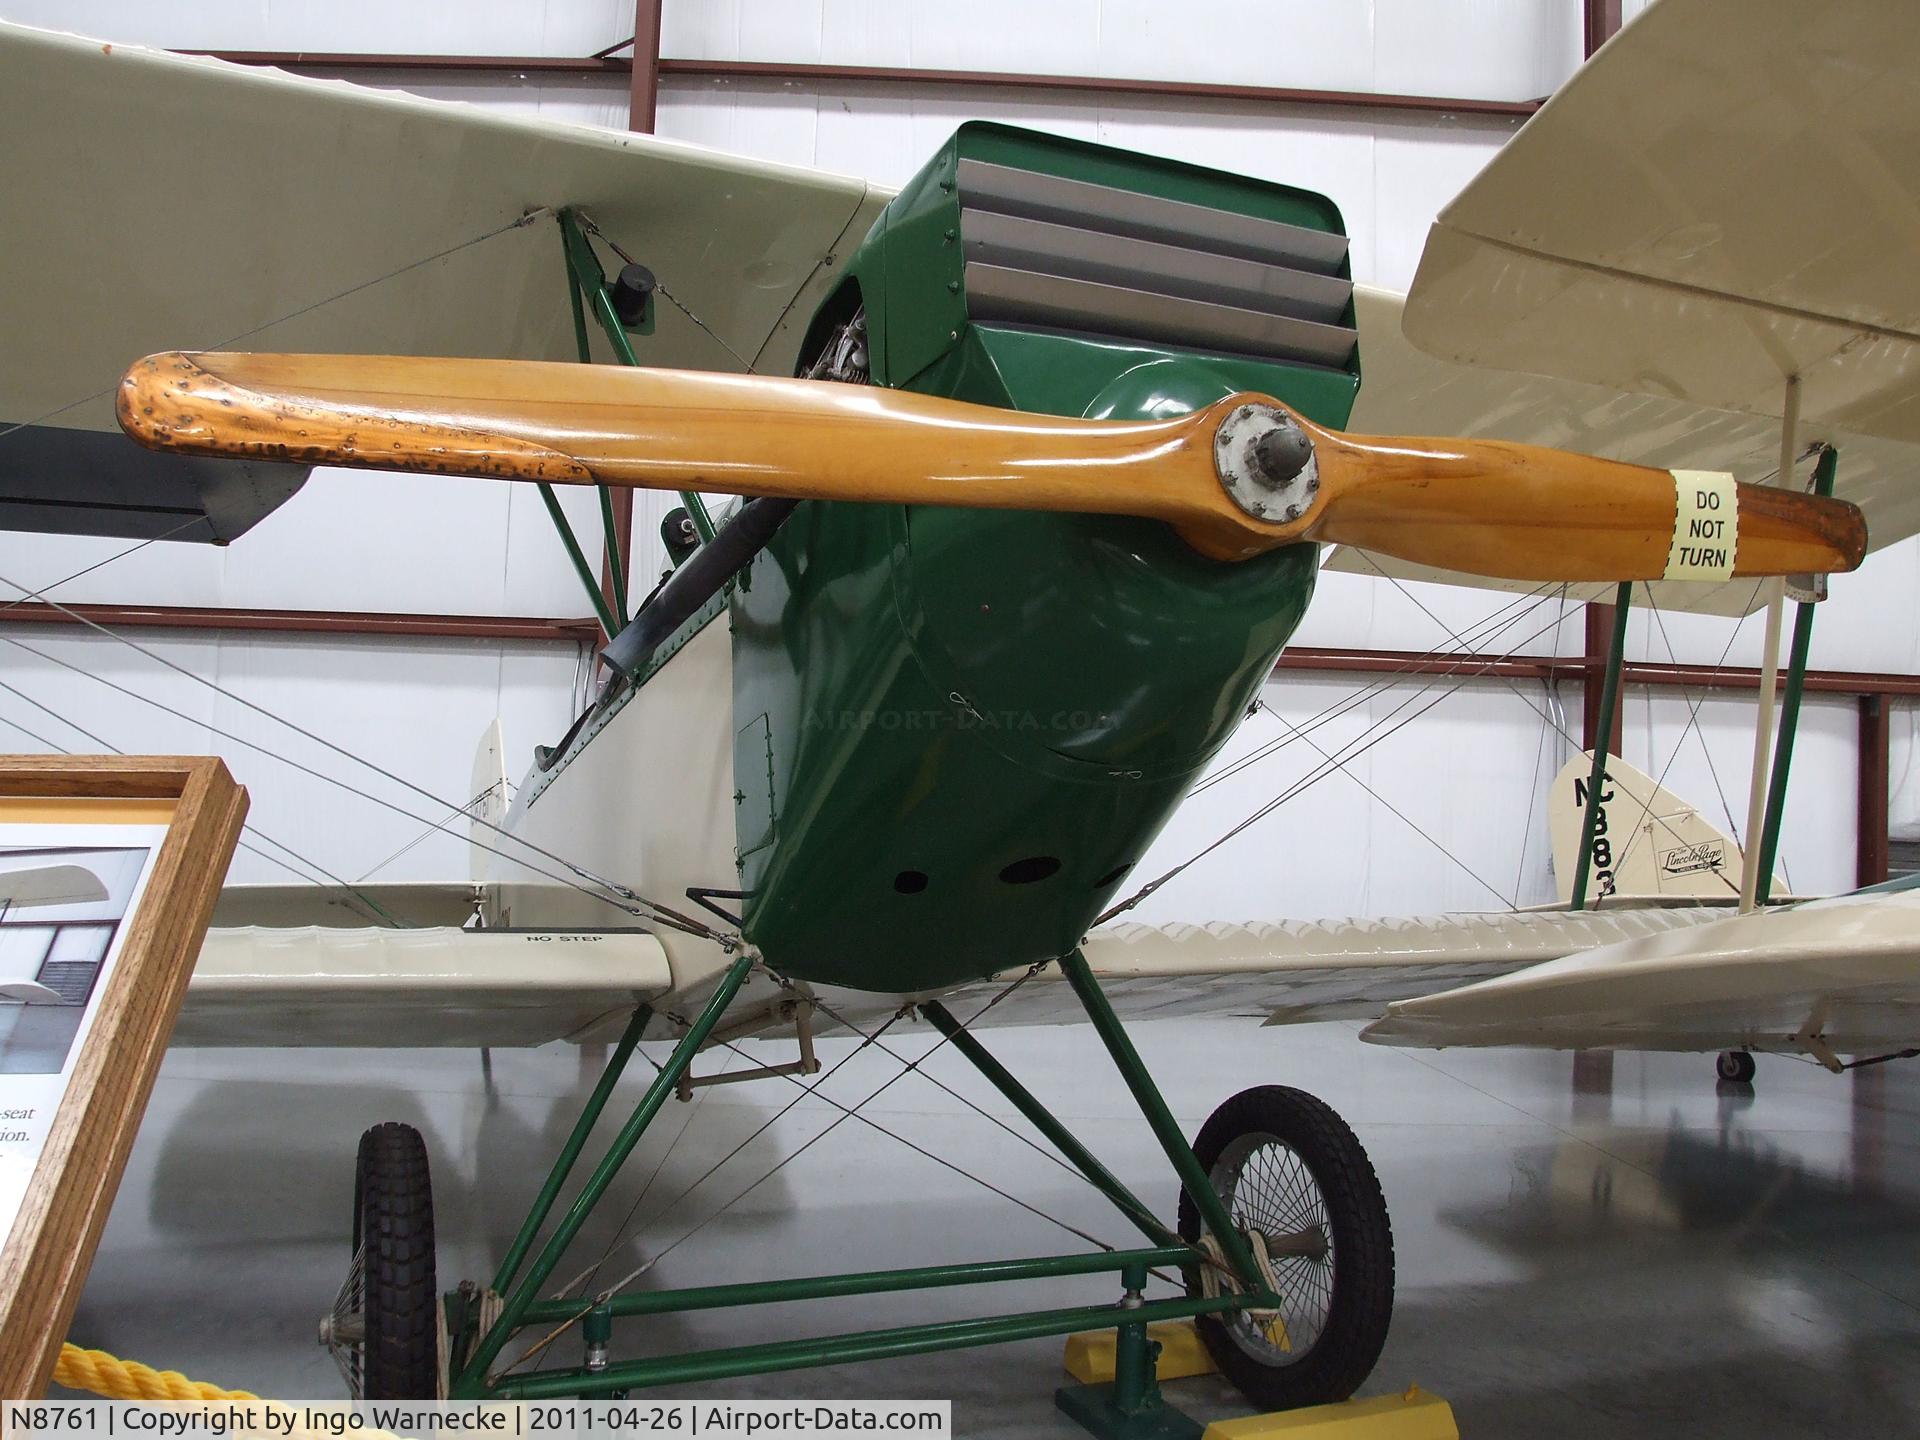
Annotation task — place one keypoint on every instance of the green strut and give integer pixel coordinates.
(570, 1152)
(472, 1380)
(1597, 776)
(579, 559)
(584, 268)
(1823, 477)
(848, 1349)
(870, 1282)
(1197, 1183)
(1042, 1119)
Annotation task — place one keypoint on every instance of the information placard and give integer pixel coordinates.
(109, 868)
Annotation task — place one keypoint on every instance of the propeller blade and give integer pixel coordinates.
(1525, 512)
(674, 430)
(1238, 478)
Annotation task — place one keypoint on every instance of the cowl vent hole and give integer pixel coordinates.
(1030, 870)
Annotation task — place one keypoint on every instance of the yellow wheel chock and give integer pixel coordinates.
(1411, 1415)
(1090, 1353)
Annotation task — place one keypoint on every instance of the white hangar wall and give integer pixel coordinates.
(1460, 824)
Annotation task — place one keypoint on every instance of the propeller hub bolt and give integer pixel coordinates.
(1266, 463)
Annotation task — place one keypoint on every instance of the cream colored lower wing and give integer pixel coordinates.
(438, 984)
(402, 988)
(1828, 978)
(1301, 970)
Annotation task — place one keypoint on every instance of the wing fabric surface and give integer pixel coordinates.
(1838, 975)
(1723, 198)
(234, 205)
(1410, 392)
(434, 985)
(1296, 971)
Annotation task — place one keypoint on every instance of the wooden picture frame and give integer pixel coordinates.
(53, 1237)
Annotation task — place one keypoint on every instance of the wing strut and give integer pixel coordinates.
(1824, 474)
(1769, 669)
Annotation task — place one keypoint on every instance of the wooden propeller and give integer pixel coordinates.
(1236, 479)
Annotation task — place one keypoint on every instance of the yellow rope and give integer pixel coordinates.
(118, 1379)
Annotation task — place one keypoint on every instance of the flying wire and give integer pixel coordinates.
(190, 521)
(1341, 765)
(1478, 633)
(806, 1089)
(627, 899)
(313, 866)
(320, 775)
(1660, 781)
(526, 219)
(1357, 748)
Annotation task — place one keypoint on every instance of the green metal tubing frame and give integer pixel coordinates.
(1062, 1139)
(583, 267)
(1165, 1128)
(570, 1152)
(870, 1282)
(848, 1349)
(1596, 777)
(521, 1308)
(472, 1379)
(579, 559)
(1823, 478)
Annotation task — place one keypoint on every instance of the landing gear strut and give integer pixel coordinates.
(1282, 1238)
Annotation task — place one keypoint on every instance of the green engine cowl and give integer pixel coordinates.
(958, 730)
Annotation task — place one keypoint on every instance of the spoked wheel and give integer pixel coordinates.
(1735, 1066)
(383, 1329)
(1302, 1191)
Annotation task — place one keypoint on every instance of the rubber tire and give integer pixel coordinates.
(393, 1213)
(1735, 1067)
(1345, 1352)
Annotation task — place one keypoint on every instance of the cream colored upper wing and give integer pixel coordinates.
(1724, 197)
(1406, 391)
(1838, 975)
(155, 202)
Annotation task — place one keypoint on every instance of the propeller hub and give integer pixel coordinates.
(1265, 462)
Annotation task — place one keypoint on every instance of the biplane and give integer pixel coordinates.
(1034, 463)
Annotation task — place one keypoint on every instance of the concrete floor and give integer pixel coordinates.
(1589, 1247)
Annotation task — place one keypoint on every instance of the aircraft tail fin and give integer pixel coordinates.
(1650, 844)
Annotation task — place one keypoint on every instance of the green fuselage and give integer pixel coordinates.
(959, 730)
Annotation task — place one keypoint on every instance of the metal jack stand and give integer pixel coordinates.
(1131, 1408)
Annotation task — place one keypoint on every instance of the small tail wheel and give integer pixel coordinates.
(1303, 1194)
(1735, 1066)
(384, 1328)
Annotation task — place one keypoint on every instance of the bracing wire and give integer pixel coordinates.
(1693, 724)
(1379, 731)
(626, 898)
(313, 866)
(515, 224)
(1479, 633)
(320, 775)
(806, 1089)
